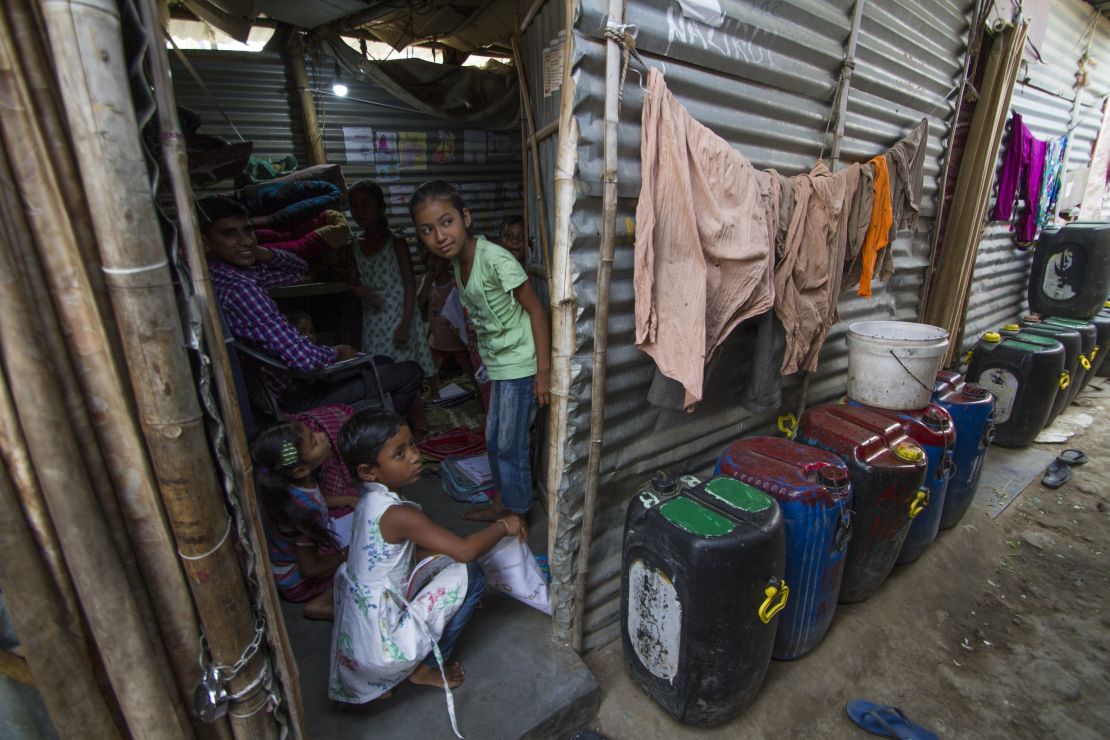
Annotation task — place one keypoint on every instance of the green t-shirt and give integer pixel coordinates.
(504, 330)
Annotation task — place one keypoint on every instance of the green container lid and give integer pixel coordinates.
(738, 495)
(696, 518)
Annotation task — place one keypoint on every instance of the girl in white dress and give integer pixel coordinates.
(386, 628)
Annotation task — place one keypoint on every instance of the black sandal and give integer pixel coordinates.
(1072, 457)
(1056, 475)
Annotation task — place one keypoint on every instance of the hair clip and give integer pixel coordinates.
(289, 454)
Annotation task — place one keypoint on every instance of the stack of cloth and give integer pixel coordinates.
(467, 479)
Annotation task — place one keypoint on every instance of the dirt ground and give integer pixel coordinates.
(1002, 629)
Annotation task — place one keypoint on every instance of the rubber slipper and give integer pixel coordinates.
(1056, 475)
(1072, 457)
(885, 721)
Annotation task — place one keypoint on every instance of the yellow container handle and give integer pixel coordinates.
(1084, 361)
(1094, 352)
(766, 610)
(920, 501)
(1065, 380)
(788, 425)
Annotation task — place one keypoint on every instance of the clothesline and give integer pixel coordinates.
(719, 242)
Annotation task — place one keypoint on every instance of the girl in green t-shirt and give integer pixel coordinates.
(513, 338)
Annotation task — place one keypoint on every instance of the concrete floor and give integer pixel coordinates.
(518, 682)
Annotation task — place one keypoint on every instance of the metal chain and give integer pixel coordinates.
(230, 671)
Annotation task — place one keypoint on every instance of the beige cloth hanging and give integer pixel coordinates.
(705, 230)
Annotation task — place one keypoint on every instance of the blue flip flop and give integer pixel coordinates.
(885, 721)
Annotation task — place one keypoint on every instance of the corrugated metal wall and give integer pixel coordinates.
(1044, 96)
(254, 91)
(764, 81)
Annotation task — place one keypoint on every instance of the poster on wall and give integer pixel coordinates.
(398, 196)
(359, 143)
(413, 149)
(474, 146)
(512, 192)
(445, 147)
(553, 65)
(501, 146)
(385, 148)
(387, 172)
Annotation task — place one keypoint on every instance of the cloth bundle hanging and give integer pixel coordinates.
(1037, 165)
(719, 242)
(704, 240)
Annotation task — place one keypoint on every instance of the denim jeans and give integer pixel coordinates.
(475, 584)
(512, 408)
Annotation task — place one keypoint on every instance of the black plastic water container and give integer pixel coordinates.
(1101, 320)
(1023, 378)
(701, 585)
(1035, 332)
(1088, 332)
(1071, 270)
(1104, 369)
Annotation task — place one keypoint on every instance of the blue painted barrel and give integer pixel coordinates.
(814, 492)
(972, 409)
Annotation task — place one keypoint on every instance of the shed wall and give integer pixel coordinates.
(256, 93)
(764, 81)
(1044, 96)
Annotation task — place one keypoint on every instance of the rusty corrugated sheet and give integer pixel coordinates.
(764, 81)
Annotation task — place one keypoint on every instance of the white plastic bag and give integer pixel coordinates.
(511, 568)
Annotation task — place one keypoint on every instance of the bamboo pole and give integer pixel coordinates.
(563, 338)
(41, 620)
(134, 664)
(294, 55)
(114, 605)
(176, 167)
(109, 437)
(947, 304)
(537, 180)
(86, 39)
(601, 317)
(974, 43)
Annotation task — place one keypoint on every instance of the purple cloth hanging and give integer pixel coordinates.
(1034, 174)
(1017, 152)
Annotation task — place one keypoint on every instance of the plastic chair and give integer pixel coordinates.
(264, 401)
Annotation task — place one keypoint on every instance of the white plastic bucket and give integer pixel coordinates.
(894, 364)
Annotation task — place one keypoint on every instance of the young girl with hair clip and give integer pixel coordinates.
(513, 338)
(381, 275)
(389, 624)
(302, 547)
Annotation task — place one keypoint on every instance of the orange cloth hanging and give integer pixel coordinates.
(878, 233)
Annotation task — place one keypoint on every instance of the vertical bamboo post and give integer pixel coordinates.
(40, 618)
(86, 40)
(176, 166)
(110, 438)
(601, 317)
(563, 311)
(537, 181)
(294, 56)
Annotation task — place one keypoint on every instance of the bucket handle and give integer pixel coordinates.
(929, 388)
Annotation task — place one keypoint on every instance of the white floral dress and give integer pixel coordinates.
(382, 273)
(378, 639)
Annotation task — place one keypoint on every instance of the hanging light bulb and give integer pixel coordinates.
(337, 85)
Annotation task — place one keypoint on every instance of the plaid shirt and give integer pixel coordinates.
(253, 316)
